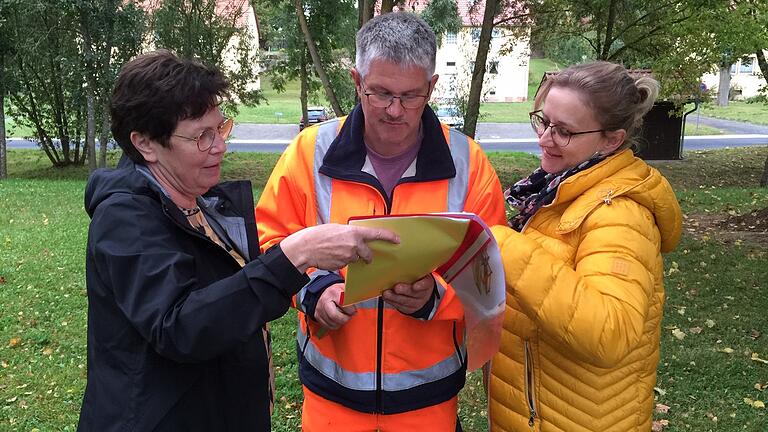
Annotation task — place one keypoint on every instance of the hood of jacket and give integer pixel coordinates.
(105, 182)
(619, 175)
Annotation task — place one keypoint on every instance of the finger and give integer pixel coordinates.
(393, 298)
(371, 234)
(365, 253)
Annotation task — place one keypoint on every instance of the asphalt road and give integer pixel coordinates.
(491, 136)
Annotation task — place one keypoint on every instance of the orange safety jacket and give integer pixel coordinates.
(381, 360)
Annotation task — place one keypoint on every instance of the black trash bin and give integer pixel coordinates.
(661, 135)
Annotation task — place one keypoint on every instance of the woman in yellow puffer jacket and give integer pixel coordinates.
(583, 263)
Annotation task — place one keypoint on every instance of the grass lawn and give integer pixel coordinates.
(737, 110)
(716, 287)
(14, 130)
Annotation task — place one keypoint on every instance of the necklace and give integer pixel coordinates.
(189, 211)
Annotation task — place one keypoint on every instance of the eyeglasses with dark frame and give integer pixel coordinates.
(208, 136)
(384, 100)
(560, 135)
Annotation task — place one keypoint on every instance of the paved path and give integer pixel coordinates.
(492, 136)
(277, 132)
(728, 126)
(492, 131)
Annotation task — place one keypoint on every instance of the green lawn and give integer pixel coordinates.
(739, 111)
(716, 288)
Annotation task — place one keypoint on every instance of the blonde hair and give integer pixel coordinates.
(617, 100)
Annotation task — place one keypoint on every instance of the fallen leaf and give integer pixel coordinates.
(760, 387)
(680, 335)
(726, 350)
(47, 351)
(754, 403)
(14, 342)
(2, 280)
(661, 408)
(756, 357)
(754, 334)
(695, 330)
(660, 391)
(659, 425)
(681, 310)
(712, 417)
(13, 399)
(709, 323)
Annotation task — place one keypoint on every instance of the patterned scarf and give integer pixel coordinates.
(531, 193)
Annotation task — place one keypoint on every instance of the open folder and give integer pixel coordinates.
(457, 247)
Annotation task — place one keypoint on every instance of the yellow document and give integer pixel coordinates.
(426, 242)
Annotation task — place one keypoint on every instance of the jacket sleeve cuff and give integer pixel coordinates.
(314, 289)
(291, 280)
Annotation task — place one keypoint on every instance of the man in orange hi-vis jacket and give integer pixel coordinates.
(396, 362)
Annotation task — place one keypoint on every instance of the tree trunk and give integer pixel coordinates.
(316, 60)
(478, 73)
(724, 86)
(303, 88)
(764, 178)
(387, 5)
(3, 152)
(106, 124)
(364, 11)
(90, 131)
(761, 61)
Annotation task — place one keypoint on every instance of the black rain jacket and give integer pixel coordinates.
(175, 338)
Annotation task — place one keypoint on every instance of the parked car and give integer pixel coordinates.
(451, 116)
(316, 115)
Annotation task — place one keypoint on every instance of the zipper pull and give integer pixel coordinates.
(532, 418)
(607, 199)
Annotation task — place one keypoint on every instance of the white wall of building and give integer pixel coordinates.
(746, 78)
(506, 79)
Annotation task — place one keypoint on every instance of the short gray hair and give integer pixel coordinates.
(399, 37)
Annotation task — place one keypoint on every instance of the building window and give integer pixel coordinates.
(450, 38)
(476, 34)
(453, 64)
(747, 66)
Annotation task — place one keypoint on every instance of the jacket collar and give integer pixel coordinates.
(619, 175)
(346, 154)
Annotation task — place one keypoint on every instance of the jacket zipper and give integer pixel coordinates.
(529, 385)
(379, 343)
(380, 323)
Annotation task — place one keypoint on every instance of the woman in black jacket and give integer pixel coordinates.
(179, 296)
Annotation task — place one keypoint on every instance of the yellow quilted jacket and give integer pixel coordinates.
(585, 296)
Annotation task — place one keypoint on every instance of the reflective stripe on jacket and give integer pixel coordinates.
(381, 360)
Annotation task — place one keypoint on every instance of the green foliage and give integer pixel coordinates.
(664, 36)
(568, 50)
(45, 71)
(199, 29)
(332, 26)
(443, 17)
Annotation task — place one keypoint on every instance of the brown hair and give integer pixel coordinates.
(157, 90)
(617, 100)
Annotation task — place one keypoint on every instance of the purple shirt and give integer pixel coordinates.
(390, 169)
